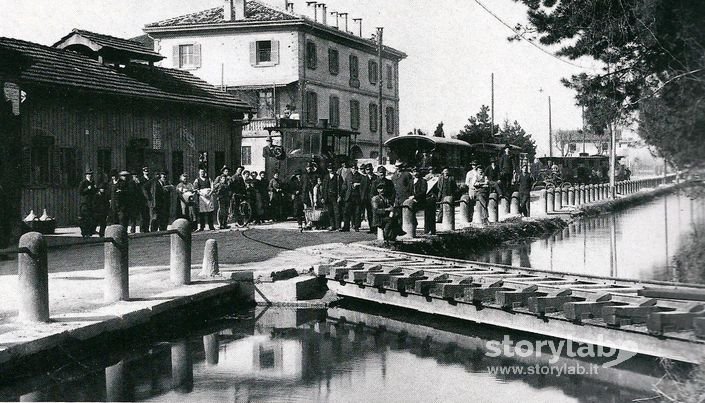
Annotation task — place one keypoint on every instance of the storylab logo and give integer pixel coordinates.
(509, 348)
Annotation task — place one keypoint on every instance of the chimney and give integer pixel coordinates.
(324, 17)
(228, 10)
(238, 10)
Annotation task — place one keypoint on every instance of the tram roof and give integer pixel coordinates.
(427, 139)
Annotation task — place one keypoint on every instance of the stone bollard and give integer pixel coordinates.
(33, 278)
(550, 195)
(180, 264)
(583, 194)
(591, 193)
(181, 367)
(492, 213)
(514, 204)
(543, 202)
(408, 218)
(503, 208)
(380, 234)
(564, 196)
(115, 387)
(448, 207)
(480, 204)
(605, 191)
(116, 265)
(465, 216)
(558, 200)
(210, 259)
(210, 346)
(571, 196)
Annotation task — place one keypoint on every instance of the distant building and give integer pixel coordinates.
(272, 57)
(94, 101)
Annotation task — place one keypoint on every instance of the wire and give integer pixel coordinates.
(530, 42)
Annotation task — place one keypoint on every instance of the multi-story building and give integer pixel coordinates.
(278, 60)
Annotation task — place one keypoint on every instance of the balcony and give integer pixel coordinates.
(257, 125)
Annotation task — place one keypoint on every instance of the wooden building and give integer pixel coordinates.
(101, 104)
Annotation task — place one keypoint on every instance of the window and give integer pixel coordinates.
(373, 117)
(333, 63)
(264, 53)
(372, 71)
(311, 57)
(334, 111)
(246, 155)
(187, 55)
(311, 108)
(354, 72)
(265, 104)
(105, 162)
(38, 158)
(390, 120)
(67, 167)
(605, 146)
(354, 114)
(390, 76)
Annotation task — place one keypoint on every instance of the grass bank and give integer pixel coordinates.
(473, 240)
(689, 260)
(611, 206)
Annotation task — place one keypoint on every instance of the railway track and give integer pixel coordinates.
(646, 317)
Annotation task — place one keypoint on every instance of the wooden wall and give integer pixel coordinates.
(90, 122)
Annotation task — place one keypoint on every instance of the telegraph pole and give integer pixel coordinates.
(380, 125)
(550, 129)
(492, 110)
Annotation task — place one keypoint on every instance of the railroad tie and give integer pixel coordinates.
(378, 278)
(553, 302)
(339, 273)
(401, 283)
(631, 314)
(591, 308)
(424, 286)
(479, 295)
(517, 298)
(659, 323)
(453, 290)
(699, 325)
(360, 275)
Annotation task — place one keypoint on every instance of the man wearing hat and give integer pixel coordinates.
(161, 194)
(333, 192)
(222, 188)
(296, 191)
(423, 200)
(143, 199)
(88, 191)
(119, 198)
(403, 185)
(268, 150)
(367, 192)
(506, 171)
(384, 216)
(470, 179)
(102, 205)
(353, 200)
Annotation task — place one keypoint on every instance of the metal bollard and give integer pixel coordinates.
(180, 264)
(33, 278)
(503, 208)
(571, 196)
(492, 213)
(514, 204)
(448, 223)
(465, 213)
(116, 265)
(210, 266)
(550, 195)
(408, 218)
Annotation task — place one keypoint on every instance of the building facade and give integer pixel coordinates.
(66, 110)
(283, 63)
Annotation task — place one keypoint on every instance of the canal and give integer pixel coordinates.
(350, 353)
(638, 243)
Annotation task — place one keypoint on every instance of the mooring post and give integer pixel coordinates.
(503, 207)
(408, 218)
(571, 196)
(33, 278)
(210, 346)
(543, 202)
(492, 213)
(583, 194)
(550, 196)
(448, 223)
(181, 367)
(514, 204)
(564, 196)
(480, 205)
(465, 213)
(115, 382)
(210, 266)
(116, 265)
(180, 265)
(558, 200)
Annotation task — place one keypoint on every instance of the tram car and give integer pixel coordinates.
(583, 169)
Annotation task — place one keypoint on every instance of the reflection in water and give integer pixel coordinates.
(342, 355)
(638, 243)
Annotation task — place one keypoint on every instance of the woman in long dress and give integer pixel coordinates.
(206, 206)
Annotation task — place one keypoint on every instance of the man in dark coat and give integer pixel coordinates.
(526, 181)
(119, 199)
(102, 206)
(446, 188)
(87, 190)
(506, 171)
(296, 191)
(424, 201)
(493, 176)
(366, 193)
(353, 200)
(403, 185)
(161, 194)
(383, 209)
(222, 188)
(332, 197)
(143, 199)
(388, 184)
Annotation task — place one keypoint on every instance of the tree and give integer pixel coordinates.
(562, 140)
(516, 135)
(478, 128)
(439, 131)
(654, 64)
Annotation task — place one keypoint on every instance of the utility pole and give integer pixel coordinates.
(492, 110)
(380, 125)
(583, 115)
(550, 129)
(613, 159)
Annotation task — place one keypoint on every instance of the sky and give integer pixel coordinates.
(453, 47)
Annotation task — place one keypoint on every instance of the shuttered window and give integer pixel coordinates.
(187, 56)
(390, 76)
(311, 56)
(354, 114)
(246, 155)
(373, 117)
(372, 71)
(354, 71)
(312, 108)
(264, 53)
(333, 61)
(390, 120)
(334, 111)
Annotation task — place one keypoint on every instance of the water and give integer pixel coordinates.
(638, 243)
(345, 354)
